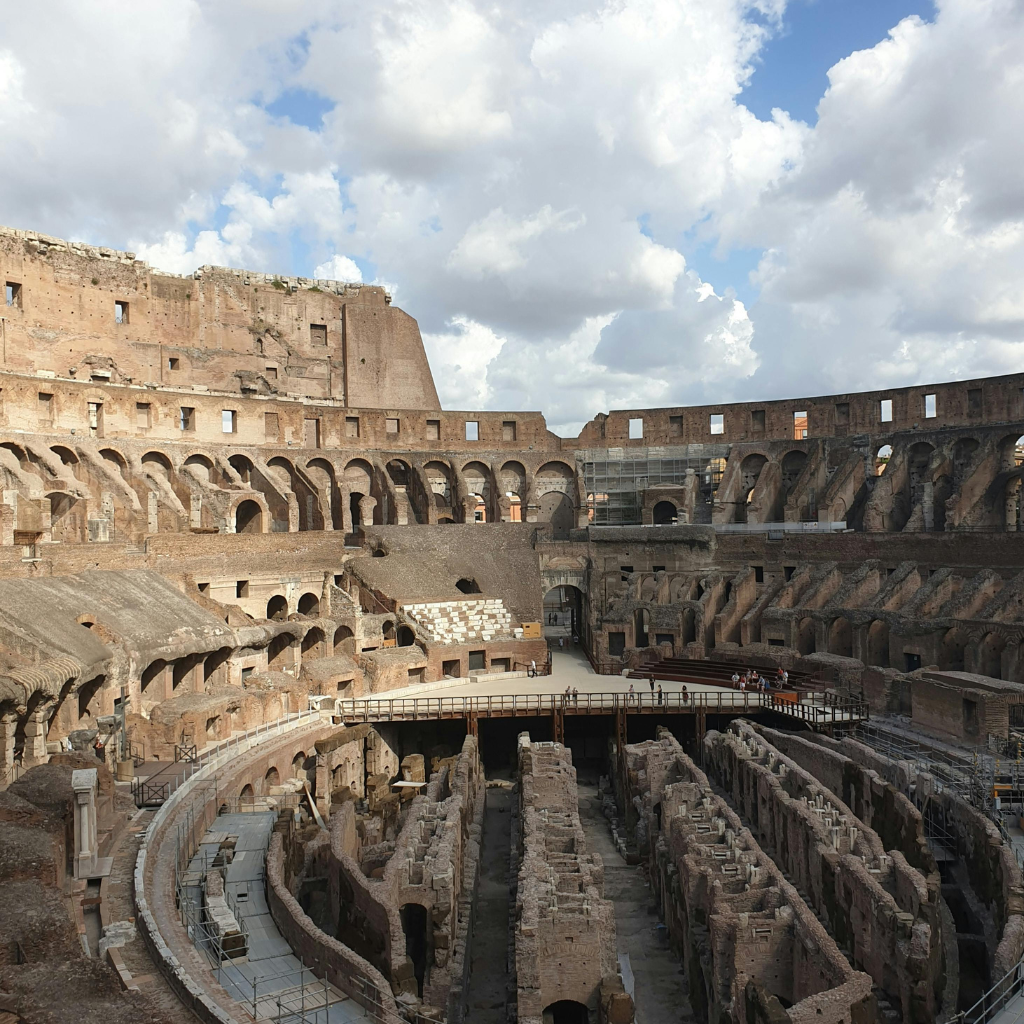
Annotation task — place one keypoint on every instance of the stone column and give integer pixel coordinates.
(35, 737)
(88, 863)
(8, 727)
(366, 507)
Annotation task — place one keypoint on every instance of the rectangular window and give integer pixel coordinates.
(929, 407)
(271, 426)
(775, 642)
(143, 415)
(351, 426)
(246, 673)
(477, 661)
(14, 294)
(717, 423)
(96, 419)
(675, 426)
(391, 425)
(974, 401)
(636, 428)
(45, 407)
(658, 568)
(472, 430)
(663, 638)
(173, 363)
(318, 334)
(759, 574)
(757, 421)
(626, 571)
(121, 312)
(433, 430)
(242, 588)
(228, 421)
(787, 572)
(912, 662)
(271, 373)
(799, 425)
(616, 644)
(885, 410)
(508, 430)
(842, 414)
(187, 418)
(311, 432)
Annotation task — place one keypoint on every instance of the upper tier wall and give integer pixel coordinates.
(104, 312)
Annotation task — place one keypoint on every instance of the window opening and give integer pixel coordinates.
(228, 421)
(121, 312)
(391, 425)
(636, 428)
(318, 334)
(13, 294)
(717, 422)
(508, 430)
(929, 407)
(799, 425)
(433, 430)
(472, 430)
(351, 426)
(885, 410)
(187, 418)
(173, 363)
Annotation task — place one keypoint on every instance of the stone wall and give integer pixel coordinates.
(565, 931)
(752, 949)
(882, 910)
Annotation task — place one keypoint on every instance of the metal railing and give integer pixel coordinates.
(995, 1000)
(156, 790)
(818, 708)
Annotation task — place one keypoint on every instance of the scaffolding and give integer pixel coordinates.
(616, 478)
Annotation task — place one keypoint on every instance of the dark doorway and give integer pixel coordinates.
(566, 1011)
(665, 513)
(357, 516)
(414, 924)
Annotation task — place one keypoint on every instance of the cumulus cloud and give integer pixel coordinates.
(530, 178)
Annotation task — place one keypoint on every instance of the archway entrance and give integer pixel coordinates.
(665, 513)
(641, 622)
(277, 609)
(414, 924)
(563, 612)
(248, 518)
(566, 1011)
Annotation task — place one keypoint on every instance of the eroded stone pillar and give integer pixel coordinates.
(88, 863)
(35, 737)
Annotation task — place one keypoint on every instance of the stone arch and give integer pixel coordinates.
(65, 454)
(665, 513)
(554, 488)
(344, 641)
(750, 472)
(322, 473)
(248, 517)
(964, 451)
(309, 604)
(277, 608)
(566, 1011)
(840, 637)
(201, 466)
(793, 463)
(272, 778)
(565, 603)
(247, 794)
(418, 929)
(989, 656)
(479, 486)
(152, 672)
(278, 651)
(243, 466)
(406, 637)
(115, 459)
(882, 457)
(313, 643)
(952, 651)
(1012, 494)
(90, 701)
(689, 624)
(63, 525)
(387, 629)
(439, 482)
(878, 643)
(359, 482)
(806, 642)
(158, 464)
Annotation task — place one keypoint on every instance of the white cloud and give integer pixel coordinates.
(529, 176)
(339, 268)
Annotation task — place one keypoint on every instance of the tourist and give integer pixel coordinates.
(575, 695)
(650, 679)
(631, 697)
(685, 694)
(660, 695)
(532, 671)
(785, 679)
(561, 642)
(735, 679)
(743, 682)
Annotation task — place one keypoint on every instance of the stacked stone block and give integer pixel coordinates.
(460, 622)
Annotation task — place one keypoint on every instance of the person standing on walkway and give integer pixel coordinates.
(575, 695)
(685, 694)
(660, 695)
(650, 679)
(735, 680)
(532, 673)
(631, 697)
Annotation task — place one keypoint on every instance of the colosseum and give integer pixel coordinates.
(322, 704)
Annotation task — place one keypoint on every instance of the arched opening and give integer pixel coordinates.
(805, 642)
(952, 653)
(115, 459)
(641, 621)
(312, 643)
(354, 509)
(247, 796)
(66, 455)
(406, 637)
(878, 643)
(152, 672)
(242, 466)
(309, 604)
(272, 778)
(277, 651)
(299, 765)
(840, 638)
(277, 608)
(566, 1011)
(563, 612)
(792, 466)
(200, 467)
(990, 656)
(665, 513)
(417, 940)
(444, 519)
(387, 630)
(1013, 505)
(882, 457)
(477, 508)
(64, 527)
(750, 471)
(344, 641)
(158, 464)
(248, 517)
(89, 702)
(555, 487)
(468, 586)
(214, 665)
(689, 631)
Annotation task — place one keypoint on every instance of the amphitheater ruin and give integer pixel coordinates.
(319, 703)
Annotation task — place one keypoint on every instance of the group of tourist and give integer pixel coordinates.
(657, 693)
(751, 680)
